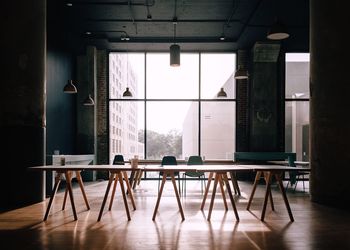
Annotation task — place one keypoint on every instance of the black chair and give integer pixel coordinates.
(194, 160)
(118, 160)
(169, 160)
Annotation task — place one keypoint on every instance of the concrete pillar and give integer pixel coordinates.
(329, 103)
(22, 101)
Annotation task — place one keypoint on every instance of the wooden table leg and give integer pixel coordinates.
(70, 191)
(65, 198)
(207, 190)
(257, 178)
(159, 195)
(216, 180)
(80, 181)
(125, 175)
(140, 176)
(133, 178)
(221, 184)
(137, 178)
(283, 191)
(177, 195)
(270, 193)
(235, 183)
(230, 195)
(120, 177)
(54, 191)
(113, 192)
(268, 190)
(111, 177)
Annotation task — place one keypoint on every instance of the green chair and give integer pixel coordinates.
(193, 160)
(169, 160)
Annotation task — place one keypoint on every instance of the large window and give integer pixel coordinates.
(297, 105)
(173, 110)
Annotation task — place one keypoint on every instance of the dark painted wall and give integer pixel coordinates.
(60, 107)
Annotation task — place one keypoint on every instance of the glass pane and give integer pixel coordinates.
(218, 130)
(126, 70)
(217, 71)
(297, 75)
(169, 126)
(126, 126)
(164, 82)
(297, 129)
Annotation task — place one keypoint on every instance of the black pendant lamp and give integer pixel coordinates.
(70, 88)
(127, 93)
(278, 31)
(174, 49)
(241, 73)
(222, 93)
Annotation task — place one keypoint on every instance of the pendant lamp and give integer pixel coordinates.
(222, 93)
(277, 31)
(175, 49)
(241, 73)
(127, 93)
(70, 88)
(89, 101)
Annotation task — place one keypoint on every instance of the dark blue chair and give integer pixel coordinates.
(118, 160)
(194, 160)
(169, 160)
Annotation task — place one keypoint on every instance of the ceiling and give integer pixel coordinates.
(200, 23)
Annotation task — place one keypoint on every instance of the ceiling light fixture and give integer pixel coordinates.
(222, 37)
(124, 37)
(70, 88)
(222, 93)
(174, 51)
(278, 31)
(175, 48)
(89, 101)
(241, 73)
(149, 16)
(127, 92)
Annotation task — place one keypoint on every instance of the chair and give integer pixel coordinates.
(194, 160)
(169, 160)
(296, 175)
(118, 160)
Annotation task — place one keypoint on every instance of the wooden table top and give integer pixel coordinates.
(157, 167)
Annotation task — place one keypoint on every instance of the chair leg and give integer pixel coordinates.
(158, 182)
(184, 184)
(178, 178)
(296, 183)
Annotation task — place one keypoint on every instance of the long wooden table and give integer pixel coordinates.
(218, 172)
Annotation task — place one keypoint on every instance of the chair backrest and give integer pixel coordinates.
(169, 160)
(195, 160)
(118, 160)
